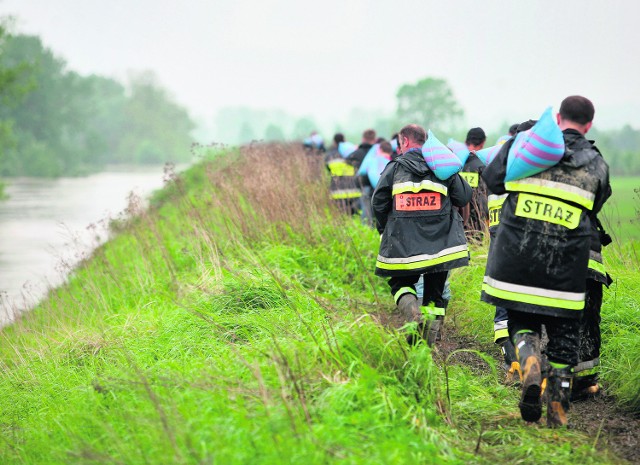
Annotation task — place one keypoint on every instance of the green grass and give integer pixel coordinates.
(237, 322)
(621, 213)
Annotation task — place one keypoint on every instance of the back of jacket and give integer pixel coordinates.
(538, 260)
(421, 230)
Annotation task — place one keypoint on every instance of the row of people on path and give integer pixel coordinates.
(544, 267)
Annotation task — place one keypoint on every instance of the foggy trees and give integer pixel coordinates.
(429, 102)
(57, 122)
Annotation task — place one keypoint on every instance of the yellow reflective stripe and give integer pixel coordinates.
(341, 168)
(554, 189)
(496, 201)
(550, 210)
(346, 194)
(533, 295)
(403, 291)
(500, 334)
(420, 263)
(597, 266)
(414, 187)
(432, 310)
(471, 177)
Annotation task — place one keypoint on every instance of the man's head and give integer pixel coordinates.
(475, 139)
(338, 137)
(369, 137)
(385, 147)
(513, 129)
(576, 112)
(410, 137)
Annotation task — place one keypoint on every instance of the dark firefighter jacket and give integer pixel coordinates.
(344, 183)
(421, 231)
(538, 260)
(475, 213)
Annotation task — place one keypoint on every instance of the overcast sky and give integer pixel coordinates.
(505, 60)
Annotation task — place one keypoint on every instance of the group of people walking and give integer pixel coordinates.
(544, 267)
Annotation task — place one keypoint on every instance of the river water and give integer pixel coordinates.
(47, 225)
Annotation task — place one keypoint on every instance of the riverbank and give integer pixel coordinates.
(48, 225)
(238, 320)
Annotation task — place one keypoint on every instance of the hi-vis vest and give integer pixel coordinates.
(343, 181)
(423, 232)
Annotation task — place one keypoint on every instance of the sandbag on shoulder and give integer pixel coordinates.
(535, 150)
(346, 148)
(460, 149)
(440, 159)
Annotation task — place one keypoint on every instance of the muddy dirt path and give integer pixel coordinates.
(610, 427)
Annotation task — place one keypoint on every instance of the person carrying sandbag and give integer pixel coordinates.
(537, 264)
(421, 231)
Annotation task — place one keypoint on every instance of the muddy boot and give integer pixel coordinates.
(410, 311)
(528, 353)
(432, 328)
(584, 387)
(558, 396)
(514, 374)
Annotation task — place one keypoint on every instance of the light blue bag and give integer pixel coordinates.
(440, 159)
(535, 150)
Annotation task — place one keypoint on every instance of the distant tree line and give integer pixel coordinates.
(55, 122)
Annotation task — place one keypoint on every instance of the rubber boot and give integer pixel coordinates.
(584, 387)
(410, 311)
(528, 353)
(432, 329)
(409, 308)
(558, 396)
(514, 373)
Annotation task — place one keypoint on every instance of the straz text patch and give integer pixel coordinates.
(546, 209)
(418, 202)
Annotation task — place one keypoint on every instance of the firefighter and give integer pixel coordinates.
(537, 265)
(475, 214)
(344, 188)
(500, 320)
(421, 232)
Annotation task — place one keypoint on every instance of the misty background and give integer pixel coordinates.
(159, 75)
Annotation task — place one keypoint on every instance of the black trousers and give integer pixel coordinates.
(590, 323)
(564, 334)
(433, 287)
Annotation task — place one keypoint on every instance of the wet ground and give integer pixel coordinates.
(610, 427)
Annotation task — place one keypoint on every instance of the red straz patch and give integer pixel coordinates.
(418, 202)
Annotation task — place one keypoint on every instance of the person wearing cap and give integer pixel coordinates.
(421, 232)
(537, 264)
(475, 214)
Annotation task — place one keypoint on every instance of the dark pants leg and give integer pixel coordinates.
(434, 289)
(500, 328)
(401, 285)
(589, 353)
(563, 333)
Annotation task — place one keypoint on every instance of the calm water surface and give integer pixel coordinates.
(47, 225)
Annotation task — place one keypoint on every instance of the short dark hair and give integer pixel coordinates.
(475, 136)
(386, 147)
(513, 129)
(338, 137)
(577, 109)
(369, 135)
(414, 133)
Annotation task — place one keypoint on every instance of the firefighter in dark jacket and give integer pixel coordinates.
(500, 320)
(421, 231)
(475, 214)
(537, 266)
(344, 188)
(585, 383)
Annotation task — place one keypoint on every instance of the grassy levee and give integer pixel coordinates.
(238, 321)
